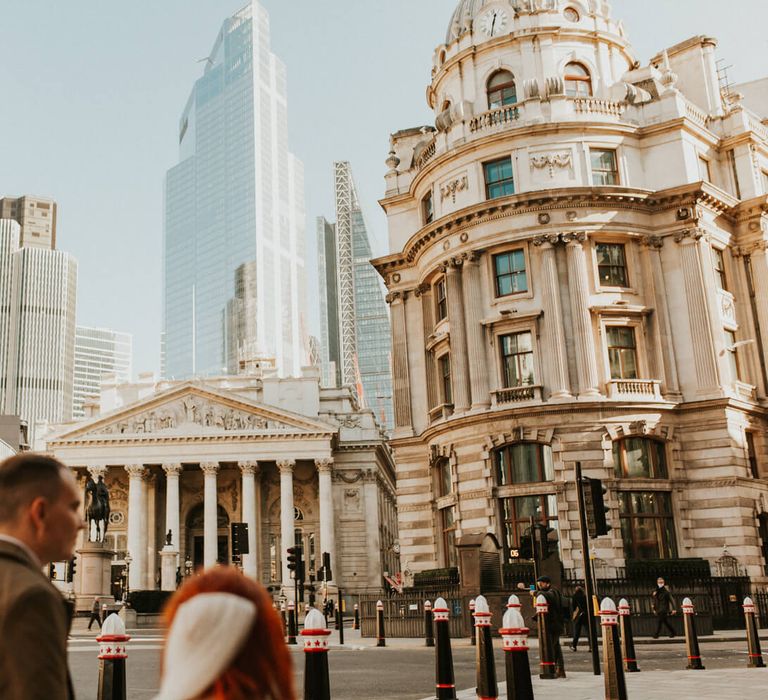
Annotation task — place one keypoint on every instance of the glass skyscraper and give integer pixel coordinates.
(235, 199)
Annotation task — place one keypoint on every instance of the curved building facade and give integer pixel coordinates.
(579, 274)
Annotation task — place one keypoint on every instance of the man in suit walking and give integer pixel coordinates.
(39, 523)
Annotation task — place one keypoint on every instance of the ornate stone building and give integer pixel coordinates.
(298, 463)
(579, 273)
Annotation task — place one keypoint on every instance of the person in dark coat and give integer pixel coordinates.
(95, 614)
(39, 523)
(663, 605)
(555, 614)
(578, 615)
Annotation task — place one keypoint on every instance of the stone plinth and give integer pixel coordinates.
(169, 561)
(95, 571)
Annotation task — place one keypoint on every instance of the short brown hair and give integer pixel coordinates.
(23, 478)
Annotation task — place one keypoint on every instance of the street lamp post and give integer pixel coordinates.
(128, 560)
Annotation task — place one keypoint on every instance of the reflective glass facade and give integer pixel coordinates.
(235, 198)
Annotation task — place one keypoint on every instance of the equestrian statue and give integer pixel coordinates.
(97, 509)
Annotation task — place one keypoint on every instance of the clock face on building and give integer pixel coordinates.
(494, 22)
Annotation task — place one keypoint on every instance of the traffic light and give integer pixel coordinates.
(594, 504)
(296, 563)
(239, 539)
(52, 571)
(327, 573)
(71, 567)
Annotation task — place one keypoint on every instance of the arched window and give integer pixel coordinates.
(524, 463)
(578, 82)
(640, 458)
(501, 89)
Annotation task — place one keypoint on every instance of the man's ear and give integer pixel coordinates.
(38, 510)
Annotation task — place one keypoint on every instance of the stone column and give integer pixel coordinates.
(327, 538)
(586, 362)
(554, 335)
(400, 379)
(250, 560)
(478, 363)
(137, 525)
(758, 262)
(457, 324)
(210, 514)
(172, 472)
(428, 318)
(286, 467)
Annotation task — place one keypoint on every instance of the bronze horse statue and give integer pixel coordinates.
(97, 509)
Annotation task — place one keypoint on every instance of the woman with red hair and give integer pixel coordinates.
(225, 642)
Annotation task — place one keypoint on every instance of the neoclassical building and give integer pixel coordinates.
(297, 463)
(579, 273)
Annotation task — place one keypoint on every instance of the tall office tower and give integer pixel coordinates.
(235, 198)
(38, 293)
(356, 332)
(35, 215)
(99, 352)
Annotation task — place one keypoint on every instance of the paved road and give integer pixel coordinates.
(405, 671)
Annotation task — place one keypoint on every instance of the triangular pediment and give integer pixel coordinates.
(194, 410)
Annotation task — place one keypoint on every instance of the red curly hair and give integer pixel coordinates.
(262, 670)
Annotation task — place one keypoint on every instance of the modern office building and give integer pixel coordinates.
(356, 336)
(235, 198)
(579, 274)
(99, 352)
(35, 215)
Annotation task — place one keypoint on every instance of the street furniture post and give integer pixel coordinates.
(445, 683)
(615, 682)
(112, 658)
(546, 653)
(754, 654)
(429, 629)
(691, 637)
(472, 639)
(317, 684)
(487, 687)
(627, 637)
(381, 639)
(292, 622)
(514, 634)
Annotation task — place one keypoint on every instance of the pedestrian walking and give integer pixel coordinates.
(224, 642)
(95, 613)
(555, 615)
(578, 615)
(39, 523)
(663, 605)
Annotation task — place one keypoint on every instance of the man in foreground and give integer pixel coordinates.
(39, 522)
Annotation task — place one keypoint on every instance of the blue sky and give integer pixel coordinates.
(92, 91)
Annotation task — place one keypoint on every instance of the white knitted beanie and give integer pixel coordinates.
(205, 636)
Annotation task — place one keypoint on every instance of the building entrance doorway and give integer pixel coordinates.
(196, 539)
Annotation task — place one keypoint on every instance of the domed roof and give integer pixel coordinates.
(464, 13)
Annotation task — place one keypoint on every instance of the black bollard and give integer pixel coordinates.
(445, 683)
(112, 655)
(356, 620)
(487, 688)
(691, 638)
(429, 630)
(627, 637)
(754, 655)
(381, 639)
(546, 653)
(284, 619)
(292, 623)
(514, 634)
(615, 683)
(317, 684)
(472, 639)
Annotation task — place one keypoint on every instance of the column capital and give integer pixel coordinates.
(98, 470)
(136, 471)
(546, 239)
(324, 466)
(172, 469)
(209, 468)
(690, 235)
(574, 238)
(286, 466)
(656, 242)
(248, 467)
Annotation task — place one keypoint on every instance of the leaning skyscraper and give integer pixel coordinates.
(234, 199)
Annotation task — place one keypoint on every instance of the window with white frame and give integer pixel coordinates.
(446, 384)
(509, 272)
(612, 264)
(517, 359)
(441, 299)
(605, 168)
(427, 208)
(501, 89)
(622, 352)
(705, 170)
(718, 262)
(578, 82)
(731, 356)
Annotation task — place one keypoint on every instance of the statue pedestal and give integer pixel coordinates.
(169, 562)
(95, 572)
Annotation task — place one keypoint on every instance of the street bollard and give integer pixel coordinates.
(755, 655)
(487, 688)
(317, 684)
(292, 623)
(514, 634)
(627, 637)
(283, 619)
(473, 641)
(546, 653)
(356, 621)
(429, 629)
(381, 638)
(615, 683)
(691, 638)
(112, 655)
(445, 683)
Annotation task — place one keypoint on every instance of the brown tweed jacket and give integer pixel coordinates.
(34, 625)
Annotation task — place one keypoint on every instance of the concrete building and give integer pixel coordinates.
(38, 295)
(99, 352)
(298, 463)
(235, 198)
(356, 336)
(579, 273)
(36, 216)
